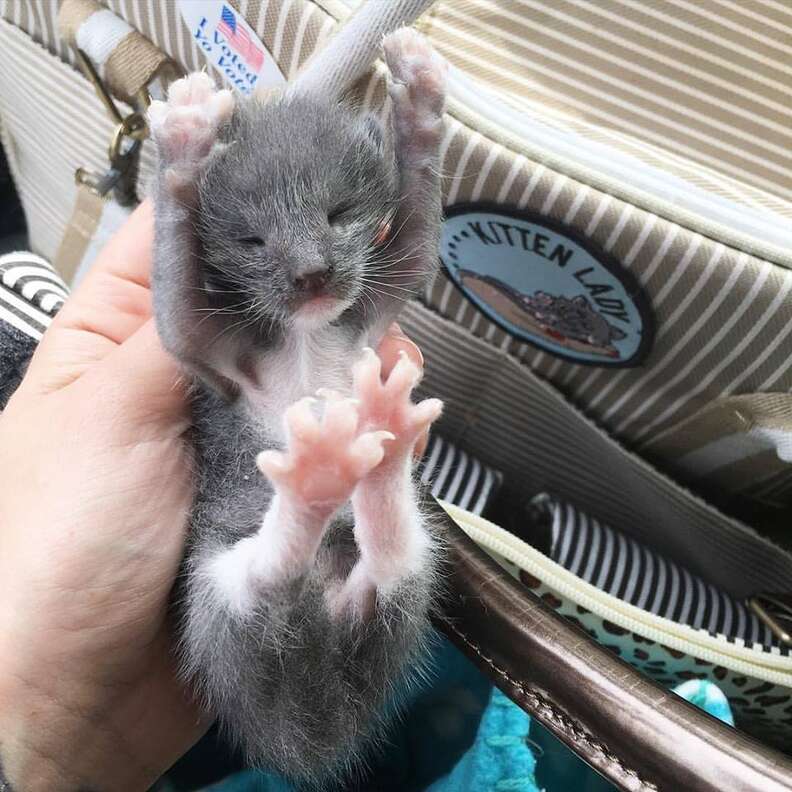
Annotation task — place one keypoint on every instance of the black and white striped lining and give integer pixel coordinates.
(456, 477)
(31, 292)
(623, 568)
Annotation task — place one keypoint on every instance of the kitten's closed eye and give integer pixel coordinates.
(251, 240)
(339, 215)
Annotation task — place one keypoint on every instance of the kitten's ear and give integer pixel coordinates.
(373, 128)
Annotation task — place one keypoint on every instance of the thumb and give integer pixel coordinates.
(145, 383)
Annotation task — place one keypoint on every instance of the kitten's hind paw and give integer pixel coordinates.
(386, 406)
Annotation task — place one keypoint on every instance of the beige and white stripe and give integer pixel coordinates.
(704, 295)
(701, 79)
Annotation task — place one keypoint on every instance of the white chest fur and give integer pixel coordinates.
(307, 361)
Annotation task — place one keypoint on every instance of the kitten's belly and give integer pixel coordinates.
(299, 369)
(233, 494)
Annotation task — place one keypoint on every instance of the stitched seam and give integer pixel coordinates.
(577, 732)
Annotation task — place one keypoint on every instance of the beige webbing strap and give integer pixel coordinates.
(82, 226)
(121, 64)
(127, 61)
(356, 46)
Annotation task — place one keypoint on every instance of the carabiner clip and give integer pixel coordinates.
(129, 132)
(138, 130)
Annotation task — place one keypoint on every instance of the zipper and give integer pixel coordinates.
(765, 666)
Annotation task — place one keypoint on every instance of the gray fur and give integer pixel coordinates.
(299, 182)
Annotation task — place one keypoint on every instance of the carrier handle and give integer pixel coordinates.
(353, 49)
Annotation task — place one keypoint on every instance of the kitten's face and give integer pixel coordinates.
(294, 210)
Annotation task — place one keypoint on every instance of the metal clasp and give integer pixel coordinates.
(144, 100)
(130, 131)
(775, 610)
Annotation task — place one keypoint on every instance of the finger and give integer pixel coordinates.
(404, 377)
(112, 303)
(420, 445)
(395, 342)
(302, 427)
(367, 451)
(274, 464)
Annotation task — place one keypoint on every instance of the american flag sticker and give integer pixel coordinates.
(239, 39)
(230, 45)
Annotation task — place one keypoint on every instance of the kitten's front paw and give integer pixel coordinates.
(326, 457)
(386, 406)
(417, 87)
(185, 126)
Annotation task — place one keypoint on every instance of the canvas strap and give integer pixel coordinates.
(127, 61)
(122, 64)
(354, 48)
(728, 430)
(81, 227)
(93, 221)
(736, 444)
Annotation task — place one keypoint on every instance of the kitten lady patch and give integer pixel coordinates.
(545, 284)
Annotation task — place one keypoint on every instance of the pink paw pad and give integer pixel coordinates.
(418, 75)
(326, 456)
(386, 405)
(185, 126)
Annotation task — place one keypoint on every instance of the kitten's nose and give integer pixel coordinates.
(311, 277)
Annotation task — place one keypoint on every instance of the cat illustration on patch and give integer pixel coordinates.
(571, 322)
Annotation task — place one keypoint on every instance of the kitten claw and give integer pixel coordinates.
(366, 372)
(272, 464)
(386, 406)
(369, 451)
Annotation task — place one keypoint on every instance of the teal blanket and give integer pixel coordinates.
(460, 734)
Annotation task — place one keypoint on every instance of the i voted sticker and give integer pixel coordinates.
(545, 285)
(231, 44)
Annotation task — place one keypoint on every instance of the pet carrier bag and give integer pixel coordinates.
(610, 327)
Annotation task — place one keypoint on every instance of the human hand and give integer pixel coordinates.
(94, 498)
(95, 494)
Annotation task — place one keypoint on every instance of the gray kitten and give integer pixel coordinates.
(288, 235)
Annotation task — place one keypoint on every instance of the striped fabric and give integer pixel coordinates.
(454, 476)
(682, 83)
(513, 420)
(30, 295)
(292, 29)
(34, 279)
(31, 292)
(671, 100)
(634, 573)
(724, 318)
